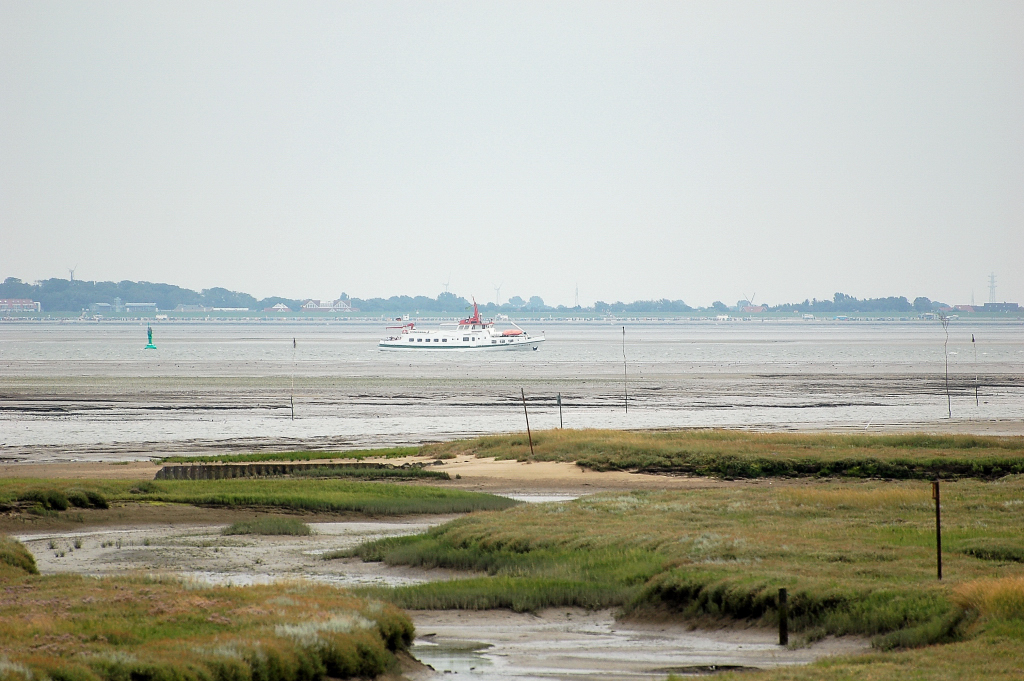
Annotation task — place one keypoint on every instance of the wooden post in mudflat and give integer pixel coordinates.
(938, 528)
(559, 411)
(783, 618)
(527, 414)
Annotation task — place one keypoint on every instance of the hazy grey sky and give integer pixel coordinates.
(693, 150)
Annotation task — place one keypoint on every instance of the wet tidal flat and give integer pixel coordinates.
(90, 392)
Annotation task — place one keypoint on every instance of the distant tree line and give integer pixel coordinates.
(62, 295)
(844, 304)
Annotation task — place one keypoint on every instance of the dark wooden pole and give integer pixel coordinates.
(938, 528)
(527, 414)
(783, 618)
(560, 411)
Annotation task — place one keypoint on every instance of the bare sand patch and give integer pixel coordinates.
(515, 477)
(86, 470)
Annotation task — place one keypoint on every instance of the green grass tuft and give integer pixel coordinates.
(14, 554)
(49, 499)
(270, 526)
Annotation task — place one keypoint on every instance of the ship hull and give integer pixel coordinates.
(488, 346)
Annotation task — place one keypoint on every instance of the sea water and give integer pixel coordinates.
(90, 391)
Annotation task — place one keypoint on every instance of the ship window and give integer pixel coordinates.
(493, 342)
(412, 340)
(419, 340)
(465, 338)
(437, 340)
(444, 340)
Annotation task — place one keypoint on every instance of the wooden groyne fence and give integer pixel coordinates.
(220, 471)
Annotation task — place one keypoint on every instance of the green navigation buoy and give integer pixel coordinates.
(149, 332)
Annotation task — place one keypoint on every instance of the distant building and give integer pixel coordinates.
(101, 308)
(339, 305)
(755, 309)
(190, 308)
(965, 308)
(280, 307)
(140, 307)
(20, 305)
(1001, 307)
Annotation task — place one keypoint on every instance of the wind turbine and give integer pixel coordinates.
(447, 282)
(71, 271)
(497, 294)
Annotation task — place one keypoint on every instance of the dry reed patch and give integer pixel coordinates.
(999, 598)
(892, 496)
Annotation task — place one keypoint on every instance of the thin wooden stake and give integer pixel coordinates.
(559, 411)
(783, 618)
(938, 528)
(291, 398)
(977, 403)
(945, 354)
(527, 414)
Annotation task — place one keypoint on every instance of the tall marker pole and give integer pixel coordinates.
(291, 398)
(783, 617)
(976, 402)
(938, 528)
(527, 414)
(945, 354)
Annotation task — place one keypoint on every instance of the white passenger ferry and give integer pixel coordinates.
(469, 334)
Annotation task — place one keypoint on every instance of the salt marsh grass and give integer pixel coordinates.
(112, 629)
(857, 557)
(412, 473)
(310, 495)
(14, 554)
(741, 454)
